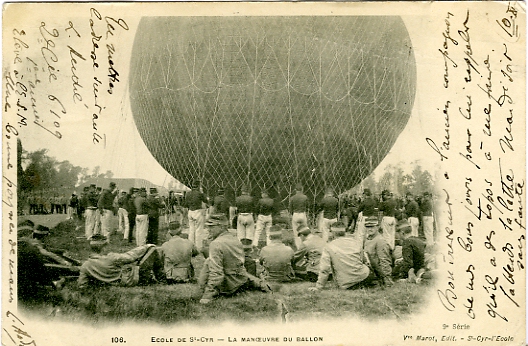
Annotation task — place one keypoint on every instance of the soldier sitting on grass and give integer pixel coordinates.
(223, 272)
(176, 254)
(412, 268)
(138, 266)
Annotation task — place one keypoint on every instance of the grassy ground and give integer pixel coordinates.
(166, 304)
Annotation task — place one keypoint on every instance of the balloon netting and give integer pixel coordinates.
(271, 101)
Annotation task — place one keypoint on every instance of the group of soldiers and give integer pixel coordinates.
(135, 211)
(41, 204)
(373, 244)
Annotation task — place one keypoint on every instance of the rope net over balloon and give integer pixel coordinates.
(271, 101)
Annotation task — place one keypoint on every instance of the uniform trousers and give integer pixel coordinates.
(325, 227)
(141, 229)
(105, 223)
(388, 225)
(263, 223)
(245, 226)
(428, 229)
(89, 222)
(414, 222)
(197, 232)
(298, 220)
(123, 225)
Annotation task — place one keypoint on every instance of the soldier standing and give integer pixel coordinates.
(412, 211)
(245, 209)
(154, 204)
(264, 218)
(298, 204)
(105, 206)
(220, 203)
(388, 222)
(90, 201)
(330, 206)
(196, 215)
(140, 203)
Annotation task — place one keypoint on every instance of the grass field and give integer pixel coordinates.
(166, 304)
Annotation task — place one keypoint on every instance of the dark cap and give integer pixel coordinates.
(93, 185)
(367, 192)
(221, 190)
(175, 228)
(246, 243)
(371, 221)
(217, 220)
(98, 239)
(404, 227)
(304, 231)
(112, 184)
(153, 190)
(275, 232)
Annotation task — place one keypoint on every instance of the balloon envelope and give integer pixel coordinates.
(271, 101)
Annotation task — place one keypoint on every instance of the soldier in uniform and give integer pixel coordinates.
(72, 206)
(245, 208)
(388, 222)
(264, 219)
(330, 206)
(379, 253)
(367, 208)
(298, 206)
(223, 272)
(176, 254)
(106, 206)
(276, 258)
(131, 213)
(135, 267)
(413, 251)
(90, 201)
(122, 215)
(308, 255)
(220, 203)
(426, 208)
(196, 215)
(249, 259)
(344, 258)
(412, 211)
(154, 203)
(141, 206)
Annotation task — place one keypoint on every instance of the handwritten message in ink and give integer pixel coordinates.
(481, 151)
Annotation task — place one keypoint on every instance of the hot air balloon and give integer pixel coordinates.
(271, 101)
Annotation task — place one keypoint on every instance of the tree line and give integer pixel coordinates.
(39, 172)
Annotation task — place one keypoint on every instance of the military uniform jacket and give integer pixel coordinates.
(298, 203)
(113, 268)
(329, 205)
(106, 200)
(221, 205)
(379, 254)
(368, 207)
(388, 207)
(412, 209)
(277, 258)
(308, 256)
(344, 258)
(226, 266)
(154, 204)
(176, 255)
(413, 251)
